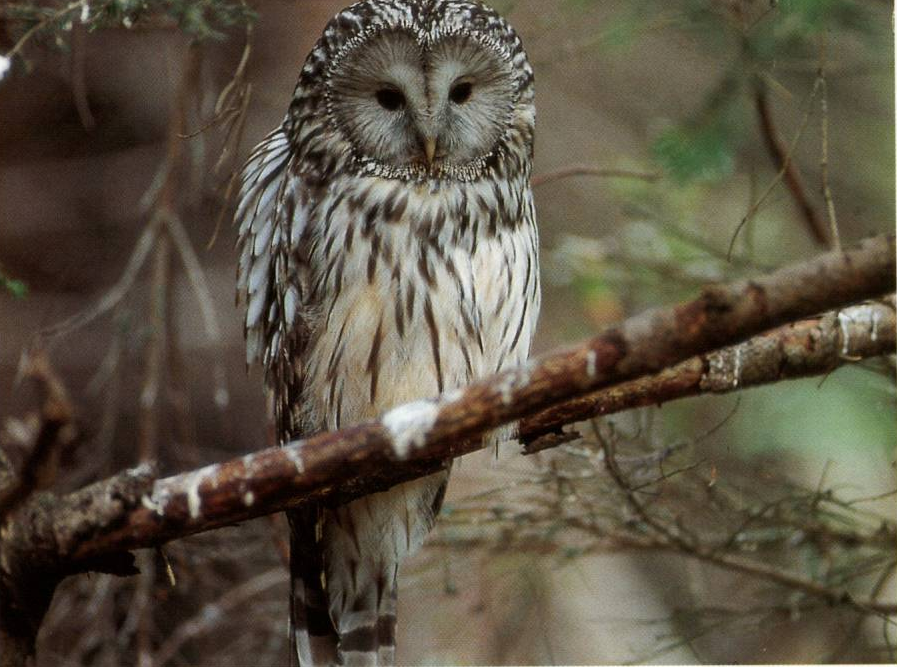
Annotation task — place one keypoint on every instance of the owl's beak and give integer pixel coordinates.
(429, 145)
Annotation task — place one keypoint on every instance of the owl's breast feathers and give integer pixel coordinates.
(413, 290)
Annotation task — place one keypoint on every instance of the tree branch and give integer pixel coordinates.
(801, 349)
(362, 459)
(50, 537)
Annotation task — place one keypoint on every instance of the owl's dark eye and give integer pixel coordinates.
(460, 92)
(390, 99)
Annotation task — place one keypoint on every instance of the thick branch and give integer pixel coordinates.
(808, 347)
(34, 556)
(363, 458)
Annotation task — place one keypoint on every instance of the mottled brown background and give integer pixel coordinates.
(69, 217)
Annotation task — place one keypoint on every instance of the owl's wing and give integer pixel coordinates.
(273, 216)
(271, 225)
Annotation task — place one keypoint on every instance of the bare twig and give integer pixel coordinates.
(783, 157)
(140, 616)
(117, 292)
(610, 462)
(850, 636)
(155, 354)
(211, 613)
(200, 285)
(823, 163)
(54, 430)
(671, 539)
(79, 87)
(156, 371)
(141, 611)
(230, 109)
(43, 23)
(589, 170)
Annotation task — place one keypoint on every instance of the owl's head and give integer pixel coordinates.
(423, 88)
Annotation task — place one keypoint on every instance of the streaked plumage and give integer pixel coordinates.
(388, 252)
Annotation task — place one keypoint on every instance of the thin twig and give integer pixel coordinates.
(40, 25)
(589, 170)
(117, 292)
(670, 539)
(232, 106)
(55, 421)
(79, 87)
(834, 234)
(209, 616)
(786, 156)
(632, 499)
(783, 160)
(197, 278)
(155, 356)
(157, 351)
(144, 605)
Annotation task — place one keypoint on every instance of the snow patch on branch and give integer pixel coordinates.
(512, 381)
(150, 503)
(452, 396)
(865, 317)
(194, 502)
(409, 424)
(845, 319)
(145, 469)
(293, 451)
(193, 482)
(591, 363)
(876, 320)
(736, 372)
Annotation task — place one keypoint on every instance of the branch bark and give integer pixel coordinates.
(362, 459)
(48, 537)
(809, 347)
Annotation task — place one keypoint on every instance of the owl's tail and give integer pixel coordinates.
(314, 641)
(367, 627)
(324, 632)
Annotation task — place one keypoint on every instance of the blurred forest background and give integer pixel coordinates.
(679, 142)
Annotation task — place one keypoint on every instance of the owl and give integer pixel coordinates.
(388, 252)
